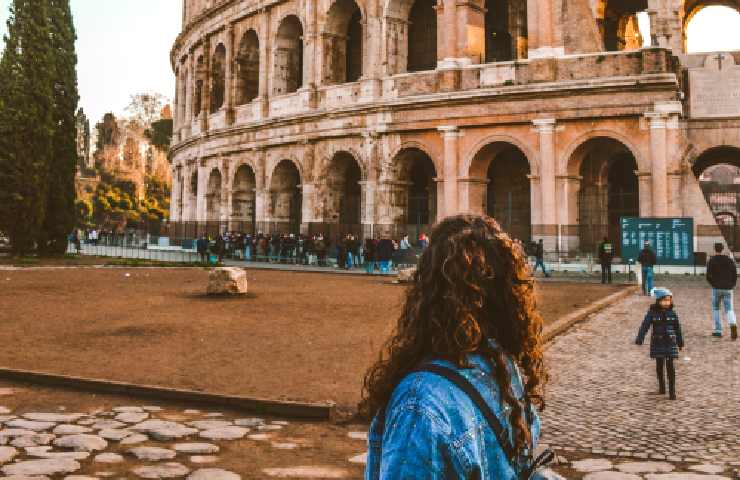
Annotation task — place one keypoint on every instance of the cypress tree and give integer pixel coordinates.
(26, 123)
(60, 216)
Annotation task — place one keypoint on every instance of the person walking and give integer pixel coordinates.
(201, 246)
(384, 253)
(606, 255)
(722, 276)
(540, 258)
(648, 260)
(665, 340)
(448, 398)
(370, 247)
(220, 247)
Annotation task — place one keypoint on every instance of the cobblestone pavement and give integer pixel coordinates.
(602, 396)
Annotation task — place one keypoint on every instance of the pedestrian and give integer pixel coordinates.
(201, 246)
(665, 340)
(648, 260)
(448, 397)
(384, 253)
(370, 246)
(722, 276)
(606, 255)
(540, 258)
(423, 241)
(405, 244)
(220, 247)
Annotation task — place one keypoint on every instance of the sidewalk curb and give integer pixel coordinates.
(565, 323)
(288, 409)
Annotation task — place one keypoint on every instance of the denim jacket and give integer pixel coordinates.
(434, 431)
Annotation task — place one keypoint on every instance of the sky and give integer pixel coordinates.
(123, 47)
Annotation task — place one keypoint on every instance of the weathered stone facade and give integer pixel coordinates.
(308, 114)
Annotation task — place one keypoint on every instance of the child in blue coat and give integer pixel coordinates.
(666, 339)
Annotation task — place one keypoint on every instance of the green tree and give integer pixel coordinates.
(61, 213)
(26, 122)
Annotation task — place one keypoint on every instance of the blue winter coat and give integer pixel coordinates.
(666, 337)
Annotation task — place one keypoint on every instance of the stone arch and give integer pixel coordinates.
(288, 63)
(499, 186)
(505, 30)
(694, 7)
(603, 186)
(286, 202)
(243, 191)
(333, 149)
(566, 165)
(422, 36)
(340, 190)
(213, 196)
(466, 169)
(248, 68)
(200, 75)
(390, 170)
(342, 43)
(617, 23)
(413, 190)
(218, 78)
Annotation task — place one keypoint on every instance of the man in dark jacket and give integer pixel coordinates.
(722, 276)
(606, 254)
(384, 253)
(648, 260)
(202, 247)
(540, 258)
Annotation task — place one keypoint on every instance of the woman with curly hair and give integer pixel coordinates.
(446, 396)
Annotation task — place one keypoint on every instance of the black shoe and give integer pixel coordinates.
(672, 396)
(733, 332)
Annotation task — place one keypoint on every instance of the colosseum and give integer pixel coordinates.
(376, 116)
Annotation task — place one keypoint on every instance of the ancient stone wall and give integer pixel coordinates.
(270, 98)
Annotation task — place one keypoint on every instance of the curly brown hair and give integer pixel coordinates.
(473, 282)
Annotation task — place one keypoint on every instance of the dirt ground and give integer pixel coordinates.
(297, 336)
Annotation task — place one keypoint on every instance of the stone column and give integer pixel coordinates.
(265, 54)
(543, 23)
(191, 89)
(645, 191)
(658, 162)
(175, 212)
(200, 209)
(230, 82)
(447, 33)
(450, 135)
(471, 32)
(472, 191)
(535, 199)
(261, 195)
(546, 130)
(205, 106)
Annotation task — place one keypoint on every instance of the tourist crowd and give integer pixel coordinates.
(380, 253)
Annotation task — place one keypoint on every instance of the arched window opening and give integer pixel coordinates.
(218, 78)
(712, 28)
(343, 192)
(288, 76)
(243, 200)
(505, 30)
(608, 191)
(718, 172)
(422, 37)
(342, 43)
(508, 197)
(620, 27)
(213, 198)
(198, 93)
(248, 65)
(285, 198)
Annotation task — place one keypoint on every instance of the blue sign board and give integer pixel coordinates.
(672, 239)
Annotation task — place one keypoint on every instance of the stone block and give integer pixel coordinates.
(406, 275)
(227, 281)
